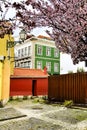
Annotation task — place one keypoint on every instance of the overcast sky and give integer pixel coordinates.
(36, 31)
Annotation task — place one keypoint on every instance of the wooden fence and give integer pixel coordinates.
(68, 87)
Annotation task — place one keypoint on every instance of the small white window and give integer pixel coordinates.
(56, 67)
(48, 65)
(19, 53)
(22, 52)
(26, 51)
(29, 64)
(56, 52)
(29, 50)
(48, 51)
(39, 65)
(39, 50)
(22, 64)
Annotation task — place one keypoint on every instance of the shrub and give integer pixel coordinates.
(68, 103)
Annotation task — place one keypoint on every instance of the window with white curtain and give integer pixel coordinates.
(48, 51)
(39, 64)
(56, 52)
(48, 65)
(56, 66)
(39, 50)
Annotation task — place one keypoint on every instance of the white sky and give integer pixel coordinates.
(67, 64)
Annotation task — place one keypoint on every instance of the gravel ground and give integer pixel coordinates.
(41, 116)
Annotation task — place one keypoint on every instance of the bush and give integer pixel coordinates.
(68, 103)
(79, 70)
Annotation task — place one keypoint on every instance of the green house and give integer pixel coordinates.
(38, 52)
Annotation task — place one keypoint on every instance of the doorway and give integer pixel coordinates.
(34, 83)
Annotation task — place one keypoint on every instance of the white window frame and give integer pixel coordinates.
(39, 64)
(26, 51)
(29, 64)
(22, 64)
(29, 50)
(39, 50)
(56, 52)
(48, 65)
(48, 51)
(22, 52)
(56, 67)
(19, 53)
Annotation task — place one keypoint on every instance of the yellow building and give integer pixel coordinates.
(6, 68)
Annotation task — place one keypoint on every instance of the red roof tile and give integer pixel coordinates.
(44, 37)
(26, 72)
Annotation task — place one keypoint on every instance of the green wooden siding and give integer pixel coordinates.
(44, 58)
(44, 52)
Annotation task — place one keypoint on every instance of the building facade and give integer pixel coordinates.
(26, 82)
(38, 52)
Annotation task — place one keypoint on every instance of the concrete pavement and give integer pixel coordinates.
(27, 115)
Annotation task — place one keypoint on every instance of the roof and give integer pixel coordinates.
(44, 37)
(26, 72)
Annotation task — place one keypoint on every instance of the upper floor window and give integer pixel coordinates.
(19, 53)
(48, 65)
(26, 51)
(22, 52)
(39, 50)
(48, 51)
(56, 52)
(29, 50)
(39, 65)
(56, 67)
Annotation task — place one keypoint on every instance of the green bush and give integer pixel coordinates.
(68, 103)
(80, 70)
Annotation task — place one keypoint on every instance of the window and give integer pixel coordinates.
(29, 64)
(29, 50)
(16, 64)
(39, 65)
(48, 51)
(26, 51)
(22, 65)
(48, 65)
(22, 52)
(56, 67)
(19, 53)
(26, 64)
(39, 50)
(56, 52)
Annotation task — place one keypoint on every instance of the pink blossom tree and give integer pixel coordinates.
(66, 18)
